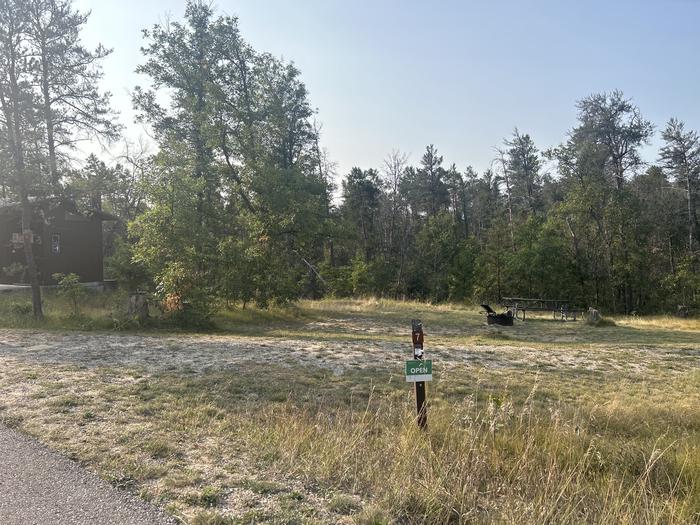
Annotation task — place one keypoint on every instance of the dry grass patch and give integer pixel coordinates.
(502, 445)
(305, 418)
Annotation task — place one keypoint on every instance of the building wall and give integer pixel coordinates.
(12, 253)
(78, 240)
(69, 243)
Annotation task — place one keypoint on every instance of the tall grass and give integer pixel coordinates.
(95, 310)
(667, 322)
(504, 450)
(488, 462)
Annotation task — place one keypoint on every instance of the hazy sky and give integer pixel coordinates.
(460, 74)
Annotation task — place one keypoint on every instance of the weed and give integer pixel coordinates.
(21, 309)
(262, 487)
(212, 518)
(206, 497)
(344, 504)
(372, 516)
(65, 402)
(158, 448)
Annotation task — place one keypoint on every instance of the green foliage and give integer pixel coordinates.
(121, 266)
(237, 206)
(69, 287)
(20, 309)
(684, 284)
(186, 299)
(361, 278)
(338, 280)
(436, 249)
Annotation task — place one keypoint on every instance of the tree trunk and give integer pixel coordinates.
(509, 202)
(27, 236)
(50, 141)
(691, 222)
(13, 118)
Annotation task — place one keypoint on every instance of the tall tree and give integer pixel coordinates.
(49, 98)
(394, 168)
(523, 166)
(613, 123)
(21, 127)
(68, 74)
(600, 155)
(425, 186)
(361, 201)
(681, 156)
(234, 126)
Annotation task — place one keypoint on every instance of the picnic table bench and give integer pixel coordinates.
(561, 308)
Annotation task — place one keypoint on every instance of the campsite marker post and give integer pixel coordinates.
(419, 371)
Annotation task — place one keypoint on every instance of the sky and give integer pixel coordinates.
(398, 75)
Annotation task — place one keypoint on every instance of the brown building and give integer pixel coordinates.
(65, 241)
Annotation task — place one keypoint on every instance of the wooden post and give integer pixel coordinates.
(421, 406)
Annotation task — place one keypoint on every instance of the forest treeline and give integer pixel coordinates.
(239, 203)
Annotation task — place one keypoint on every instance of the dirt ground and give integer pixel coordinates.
(210, 353)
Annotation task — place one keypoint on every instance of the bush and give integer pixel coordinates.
(69, 286)
(121, 266)
(184, 299)
(21, 309)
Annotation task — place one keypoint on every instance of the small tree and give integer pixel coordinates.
(69, 286)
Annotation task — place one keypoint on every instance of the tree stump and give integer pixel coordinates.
(138, 306)
(593, 315)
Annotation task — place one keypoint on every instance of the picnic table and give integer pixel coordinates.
(559, 307)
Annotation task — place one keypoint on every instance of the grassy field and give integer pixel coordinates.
(302, 415)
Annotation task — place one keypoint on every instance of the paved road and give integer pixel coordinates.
(40, 487)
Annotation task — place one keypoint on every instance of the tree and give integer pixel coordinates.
(361, 202)
(601, 154)
(425, 187)
(523, 165)
(436, 246)
(237, 132)
(681, 156)
(459, 199)
(68, 75)
(179, 60)
(169, 235)
(393, 172)
(21, 127)
(48, 95)
(613, 123)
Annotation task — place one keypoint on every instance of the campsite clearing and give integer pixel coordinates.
(302, 415)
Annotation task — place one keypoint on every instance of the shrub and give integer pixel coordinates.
(121, 266)
(21, 309)
(69, 286)
(184, 298)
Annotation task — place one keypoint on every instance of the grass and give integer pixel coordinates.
(352, 319)
(547, 422)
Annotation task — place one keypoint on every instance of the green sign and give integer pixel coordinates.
(417, 370)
